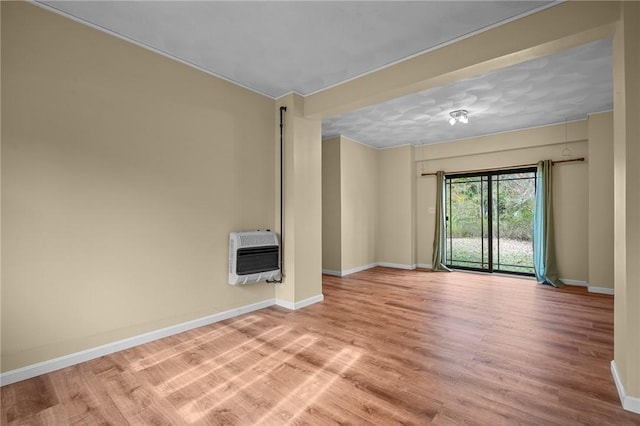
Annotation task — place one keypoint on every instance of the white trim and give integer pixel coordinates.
(397, 265)
(590, 289)
(382, 148)
(290, 92)
(373, 265)
(437, 46)
(578, 283)
(560, 123)
(629, 403)
(350, 139)
(301, 304)
(44, 367)
(602, 290)
(359, 269)
(277, 97)
(52, 9)
(589, 114)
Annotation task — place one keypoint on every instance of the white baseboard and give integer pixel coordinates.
(301, 304)
(397, 265)
(348, 271)
(359, 269)
(629, 403)
(602, 290)
(373, 265)
(590, 289)
(44, 367)
(425, 265)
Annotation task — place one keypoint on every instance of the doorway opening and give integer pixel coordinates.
(489, 221)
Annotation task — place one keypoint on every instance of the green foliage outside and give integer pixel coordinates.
(513, 202)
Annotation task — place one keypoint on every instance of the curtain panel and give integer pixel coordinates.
(544, 253)
(439, 236)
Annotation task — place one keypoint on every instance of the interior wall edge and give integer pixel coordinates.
(292, 306)
(628, 403)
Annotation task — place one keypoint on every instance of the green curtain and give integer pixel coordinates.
(544, 253)
(439, 236)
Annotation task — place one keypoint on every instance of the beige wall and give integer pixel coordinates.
(123, 173)
(506, 149)
(600, 169)
(359, 193)
(302, 204)
(331, 205)
(626, 56)
(377, 206)
(350, 204)
(395, 206)
(152, 99)
(403, 227)
(560, 27)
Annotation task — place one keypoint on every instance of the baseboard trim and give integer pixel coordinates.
(358, 269)
(425, 265)
(300, 304)
(602, 290)
(348, 271)
(373, 265)
(397, 265)
(629, 403)
(44, 367)
(590, 289)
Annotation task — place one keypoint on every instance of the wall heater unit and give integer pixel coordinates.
(253, 256)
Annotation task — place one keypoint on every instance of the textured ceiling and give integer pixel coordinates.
(279, 47)
(565, 86)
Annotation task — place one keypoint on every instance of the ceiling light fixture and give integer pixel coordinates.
(461, 115)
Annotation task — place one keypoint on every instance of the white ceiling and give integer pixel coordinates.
(276, 48)
(562, 87)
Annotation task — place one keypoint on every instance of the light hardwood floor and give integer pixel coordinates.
(385, 347)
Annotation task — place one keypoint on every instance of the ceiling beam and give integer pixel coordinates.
(549, 31)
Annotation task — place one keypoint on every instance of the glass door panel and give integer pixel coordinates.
(467, 233)
(490, 220)
(513, 197)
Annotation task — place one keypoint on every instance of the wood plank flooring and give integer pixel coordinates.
(385, 347)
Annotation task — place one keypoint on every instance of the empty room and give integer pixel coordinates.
(388, 212)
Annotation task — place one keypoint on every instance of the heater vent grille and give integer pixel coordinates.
(259, 238)
(253, 257)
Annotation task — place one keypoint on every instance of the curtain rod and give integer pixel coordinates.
(519, 166)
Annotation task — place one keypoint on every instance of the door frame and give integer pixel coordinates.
(480, 174)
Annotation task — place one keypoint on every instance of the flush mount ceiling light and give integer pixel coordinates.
(460, 115)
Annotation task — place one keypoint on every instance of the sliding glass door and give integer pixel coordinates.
(490, 221)
(467, 222)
